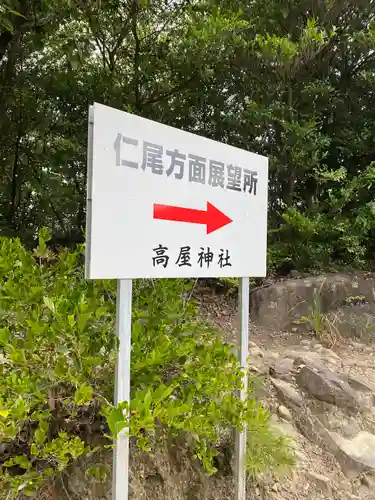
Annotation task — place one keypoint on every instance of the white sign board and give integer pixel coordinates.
(163, 203)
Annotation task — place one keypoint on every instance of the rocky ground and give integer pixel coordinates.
(320, 391)
(323, 398)
(319, 387)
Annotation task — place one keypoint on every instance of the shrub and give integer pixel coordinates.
(335, 230)
(57, 356)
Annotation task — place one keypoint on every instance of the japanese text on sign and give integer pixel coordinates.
(205, 257)
(195, 168)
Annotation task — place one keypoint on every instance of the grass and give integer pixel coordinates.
(323, 325)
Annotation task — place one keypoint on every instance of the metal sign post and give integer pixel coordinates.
(243, 344)
(165, 203)
(120, 484)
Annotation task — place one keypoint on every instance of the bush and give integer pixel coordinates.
(337, 229)
(57, 357)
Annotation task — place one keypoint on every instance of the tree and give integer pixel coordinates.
(291, 80)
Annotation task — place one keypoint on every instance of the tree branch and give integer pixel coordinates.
(124, 32)
(166, 95)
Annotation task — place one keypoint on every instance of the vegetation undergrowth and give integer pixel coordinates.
(321, 323)
(57, 357)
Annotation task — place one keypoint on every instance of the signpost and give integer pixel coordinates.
(164, 203)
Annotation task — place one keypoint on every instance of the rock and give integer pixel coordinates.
(300, 457)
(357, 345)
(254, 369)
(369, 482)
(286, 429)
(355, 322)
(273, 356)
(284, 413)
(330, 357)
(279, 305)
(258, 367)
(294, 274)
(349, 428)
(257, 363)
(364, 391)
(313, 429)
(327, 386)
(310, 359)
(254, 350)
(357, 455)
(274, 419)
(351, 461)
(333, 362)
(287, 393)
(321, 483)
(364, 492)
(321, 359)
(356, 383)
(282, 369)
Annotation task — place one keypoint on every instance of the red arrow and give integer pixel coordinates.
(213, 218)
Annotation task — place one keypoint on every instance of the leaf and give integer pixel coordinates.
(49, 303)
(4, 413)
(101, 311)
(4, 336)
(116, 420)
(39, 436)
(6, 24)
(16, 13)
(83, 394)
(99, 473)
(44, 235)
(34, 450)
(22, 461)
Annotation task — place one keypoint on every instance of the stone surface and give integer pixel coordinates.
(313, 429)
(355, 322)
(310, 359)
(287, 393)
(358, 345)
(286, 429)
(355, 455)
(322, 483)
(278, 306)
(282, 369)
(356, 383)
(336, 420)
(322, 433)
(284, 413)
(327, 386)
(349, 428)
(254, 350)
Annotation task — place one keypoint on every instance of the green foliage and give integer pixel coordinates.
(290, 80)
(342, 233)
(57, 355)
(267, 450)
